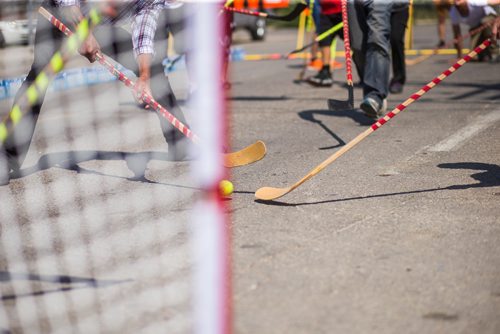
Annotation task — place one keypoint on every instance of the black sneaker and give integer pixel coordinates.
(322, 79)
(396, 87)
(373, 108)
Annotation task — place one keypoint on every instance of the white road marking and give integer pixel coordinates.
(464, 134)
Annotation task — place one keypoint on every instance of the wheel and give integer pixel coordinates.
(258, 31)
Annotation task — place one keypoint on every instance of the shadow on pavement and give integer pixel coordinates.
(136, 162)
(488, 177)
(64, 282)
(476, 88)
(258, 98)
(355, 114)
(296, 66)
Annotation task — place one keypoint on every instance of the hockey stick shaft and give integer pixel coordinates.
(269, 193)
(41, 82)
(399, 108)
(347, 44)
(278, 56)
(321, 37)
(458, 64)
(250, 154)
(334, 104)
(123, 78)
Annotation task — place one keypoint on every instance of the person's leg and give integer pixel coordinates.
(163, 92)
(316, 16)
(475, 41)
(326, 55)
(377, 66)
(48, 40)
(491, 52)
(399, 19)
(324, 76)
(117, 42)
(227, 40)
(334, 19)
(314, 62)
(358, 32)
(442, 9)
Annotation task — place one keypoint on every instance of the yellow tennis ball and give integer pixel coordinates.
(226, 188)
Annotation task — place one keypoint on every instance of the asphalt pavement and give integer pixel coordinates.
(401, 234)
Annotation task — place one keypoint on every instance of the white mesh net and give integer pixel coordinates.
(96, 226)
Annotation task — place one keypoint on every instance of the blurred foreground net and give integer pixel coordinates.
(97, 229)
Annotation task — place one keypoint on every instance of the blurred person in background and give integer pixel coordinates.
(142, 50)
(399, 20)
(370, 32)
(442, 8)
(475, 13)
(330, 16)
(315, 63)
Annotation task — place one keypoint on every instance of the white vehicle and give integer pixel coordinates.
(14, 32)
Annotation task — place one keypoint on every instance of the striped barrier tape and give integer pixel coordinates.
(431, 85)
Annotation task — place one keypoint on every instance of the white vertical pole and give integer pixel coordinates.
(210, 234)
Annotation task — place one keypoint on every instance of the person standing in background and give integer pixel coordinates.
(474, 13)
(442, 8)
(330, 16)
(399, 19)
(370, 32)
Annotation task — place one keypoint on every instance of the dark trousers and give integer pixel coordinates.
(370, 23)
(115, 42)
(327, 22)
(399, 19)
(491, 51)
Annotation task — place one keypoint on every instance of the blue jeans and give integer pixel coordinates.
(370, 22)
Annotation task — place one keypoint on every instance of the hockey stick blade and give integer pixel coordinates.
(339, 105)
(246, 156)
(270, 193)
(290, 16)
(307, 46)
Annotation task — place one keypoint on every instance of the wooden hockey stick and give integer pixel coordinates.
(339, 105)
(270, 193)
(292, 54)
(321, 37)
(250, 154)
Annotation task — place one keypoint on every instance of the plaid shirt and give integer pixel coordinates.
(144, 16)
